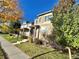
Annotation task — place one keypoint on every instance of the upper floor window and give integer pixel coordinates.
(48, 17)
(40, 20)
(35, 21)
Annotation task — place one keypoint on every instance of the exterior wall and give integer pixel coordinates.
(42, 19)
(45, 25)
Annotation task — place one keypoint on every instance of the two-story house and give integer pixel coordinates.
(43, 20)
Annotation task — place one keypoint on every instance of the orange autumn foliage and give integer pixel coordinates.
(63, 5)
(11, 10)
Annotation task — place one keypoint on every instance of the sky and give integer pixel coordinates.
(31, 8)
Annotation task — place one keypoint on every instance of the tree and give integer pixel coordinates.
(9, 10)
(66, 27)
(64, 5)
(15, 26)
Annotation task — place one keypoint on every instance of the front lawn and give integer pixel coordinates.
(38, 52)
(12, 39)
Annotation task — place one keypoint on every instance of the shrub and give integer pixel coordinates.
(30, 39)
(24, 37)
(4, 28)
(37, 41)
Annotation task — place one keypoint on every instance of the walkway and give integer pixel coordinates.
(12, 51)
(19, 42)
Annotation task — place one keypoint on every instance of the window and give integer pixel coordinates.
(40, 20)
(48, 17)
(36, 21)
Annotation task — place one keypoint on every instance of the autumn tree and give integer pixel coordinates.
(9, 11)
(64, 5)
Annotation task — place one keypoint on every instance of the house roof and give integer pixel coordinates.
(44, 13)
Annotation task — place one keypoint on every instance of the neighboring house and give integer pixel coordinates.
(6, 23)
(43, 20)
(25, 27)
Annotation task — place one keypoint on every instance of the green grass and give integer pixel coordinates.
(12, 39)
(34, 50)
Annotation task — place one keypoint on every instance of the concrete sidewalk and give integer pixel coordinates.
(12, 51)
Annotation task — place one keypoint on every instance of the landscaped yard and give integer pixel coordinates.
(12, 39)
(38, 52)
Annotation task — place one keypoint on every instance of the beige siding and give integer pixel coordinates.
(45, 25)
